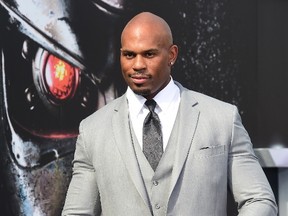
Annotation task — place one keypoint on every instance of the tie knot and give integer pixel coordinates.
(151, 104)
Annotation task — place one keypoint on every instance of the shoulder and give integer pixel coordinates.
(202, 100)
(206, 100)
(219, 116)
(208, 106)
(102, 115)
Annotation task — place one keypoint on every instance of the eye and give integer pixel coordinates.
(150, 54)
(128, 55)
(60, 78)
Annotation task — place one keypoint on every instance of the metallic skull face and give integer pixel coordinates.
(58, 65)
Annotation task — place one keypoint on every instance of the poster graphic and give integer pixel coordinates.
(60, 63)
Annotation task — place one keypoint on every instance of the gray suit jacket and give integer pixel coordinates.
(213, 151)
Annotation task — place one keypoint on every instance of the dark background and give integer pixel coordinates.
(235, 51)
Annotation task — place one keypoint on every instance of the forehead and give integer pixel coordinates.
(142, 38)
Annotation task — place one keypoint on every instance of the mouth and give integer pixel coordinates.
(140, 78)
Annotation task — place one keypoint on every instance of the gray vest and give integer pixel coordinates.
(158, 183)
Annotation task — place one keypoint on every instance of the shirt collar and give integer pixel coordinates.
(163, 99)
(135, 102)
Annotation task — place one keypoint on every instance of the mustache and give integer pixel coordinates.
(140, 75)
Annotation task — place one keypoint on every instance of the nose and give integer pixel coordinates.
(139, 63)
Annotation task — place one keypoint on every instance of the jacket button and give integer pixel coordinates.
(157, 206)
(155, 183)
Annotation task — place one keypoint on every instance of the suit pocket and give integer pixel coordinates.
(210, 151)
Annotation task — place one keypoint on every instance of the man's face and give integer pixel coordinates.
(145, 61)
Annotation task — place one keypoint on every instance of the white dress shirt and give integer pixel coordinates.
(167, 100)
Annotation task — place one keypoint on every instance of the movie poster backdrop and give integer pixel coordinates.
(60, 63)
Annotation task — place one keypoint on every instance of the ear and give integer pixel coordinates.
(173, 53)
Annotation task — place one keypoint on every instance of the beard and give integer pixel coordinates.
(142, 92)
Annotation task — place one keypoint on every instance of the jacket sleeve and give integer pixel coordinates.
(82, 196)
(248, 183)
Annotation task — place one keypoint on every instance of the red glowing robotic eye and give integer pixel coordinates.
(60, 78)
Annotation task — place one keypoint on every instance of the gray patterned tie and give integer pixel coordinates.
(152, 136)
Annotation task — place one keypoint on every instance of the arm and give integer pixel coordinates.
(247, 180)
(83, 196)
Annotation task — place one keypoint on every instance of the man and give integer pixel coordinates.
(204, 144)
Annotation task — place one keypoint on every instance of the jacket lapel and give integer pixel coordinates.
(188, 116)
(124, 141)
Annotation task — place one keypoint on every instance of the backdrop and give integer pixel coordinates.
(60, 63)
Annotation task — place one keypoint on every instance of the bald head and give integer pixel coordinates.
(147, 54)
(151, 24)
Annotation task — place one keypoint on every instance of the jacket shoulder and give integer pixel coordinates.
(205, 101)
(103, 114)
(202, 100)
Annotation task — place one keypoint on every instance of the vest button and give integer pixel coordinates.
(155, 183)
(157, 206)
